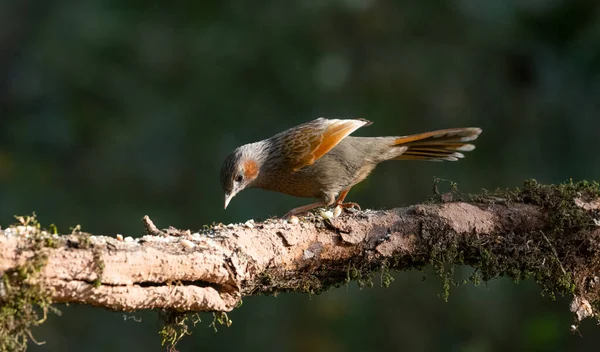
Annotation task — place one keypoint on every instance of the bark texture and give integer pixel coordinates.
(211, 270)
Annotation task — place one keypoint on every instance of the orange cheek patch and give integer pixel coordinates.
(250, 169)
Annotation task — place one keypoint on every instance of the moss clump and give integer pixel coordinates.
(571, 227)
(98, 268)
(386, 277)
(266, 279)
(545, 256)
(362, 276)
(443, 196)
(83, 240)
(276, 282)
(176, 326)
(528, 253)
(24, 300)
(566, 217)
(442, 253)
(79, 239)
(220, 318)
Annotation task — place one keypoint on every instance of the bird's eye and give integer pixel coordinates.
(239, 178)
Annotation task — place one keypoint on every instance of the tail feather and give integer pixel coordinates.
(442, 145)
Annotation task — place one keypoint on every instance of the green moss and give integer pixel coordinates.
(220, 318)
(566, 216)
(50, 242)
(83, 240)
(266, 279)
(176, 326)
(524, 255)
(476, 278)
(352, 274)
(443, 191)
(24, 300)
(362, 276)
(98, 268)
(386, 277)
(528, 254)
(443, 257)
(53, 229)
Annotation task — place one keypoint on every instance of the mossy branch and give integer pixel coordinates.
(549, 233)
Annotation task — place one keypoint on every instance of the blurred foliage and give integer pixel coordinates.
(110, 110)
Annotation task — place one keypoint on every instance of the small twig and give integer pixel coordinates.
(554, 251)
(151, 229)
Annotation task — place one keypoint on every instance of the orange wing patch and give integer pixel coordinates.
(307, 143)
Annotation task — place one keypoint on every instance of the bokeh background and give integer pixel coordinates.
(110, 110)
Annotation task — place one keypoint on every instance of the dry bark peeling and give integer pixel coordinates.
(211, 270)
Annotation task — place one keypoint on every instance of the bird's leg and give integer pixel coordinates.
(340, 201)
(303, 209)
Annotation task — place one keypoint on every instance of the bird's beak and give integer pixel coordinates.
(228, 197)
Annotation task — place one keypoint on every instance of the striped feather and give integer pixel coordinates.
(442, 145)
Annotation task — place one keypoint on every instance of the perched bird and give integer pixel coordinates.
(318, 159)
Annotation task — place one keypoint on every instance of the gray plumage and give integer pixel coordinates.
(319, 160)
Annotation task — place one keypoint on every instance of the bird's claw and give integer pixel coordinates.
(349, 205)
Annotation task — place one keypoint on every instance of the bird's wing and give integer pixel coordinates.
(304, 144)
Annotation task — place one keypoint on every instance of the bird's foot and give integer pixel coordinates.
(306, 208)
(302, 209)
(348, 205)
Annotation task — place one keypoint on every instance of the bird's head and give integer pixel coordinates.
(239, 170)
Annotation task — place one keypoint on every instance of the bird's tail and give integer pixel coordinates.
(438, 145)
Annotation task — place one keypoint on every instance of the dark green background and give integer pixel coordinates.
(110, 110)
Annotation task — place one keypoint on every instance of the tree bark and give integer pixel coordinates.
(213, 269)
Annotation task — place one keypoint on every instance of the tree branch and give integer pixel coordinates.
(517, 234)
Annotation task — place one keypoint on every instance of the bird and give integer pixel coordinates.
(319, 159)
